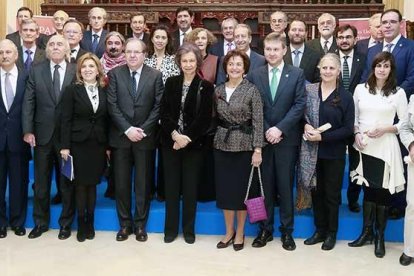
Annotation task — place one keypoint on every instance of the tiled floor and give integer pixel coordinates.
(104, 256)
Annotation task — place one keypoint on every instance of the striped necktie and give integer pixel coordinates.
(345, 73)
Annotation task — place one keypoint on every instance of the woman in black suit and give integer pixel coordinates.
(84, 136)
(185, 112)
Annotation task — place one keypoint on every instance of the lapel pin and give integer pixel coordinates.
(287, 76)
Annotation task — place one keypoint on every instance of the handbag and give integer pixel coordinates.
(255, 206)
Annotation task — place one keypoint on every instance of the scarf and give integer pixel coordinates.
(109, 63)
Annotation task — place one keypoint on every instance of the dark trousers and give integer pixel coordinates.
(326, 198)
(15, 167)
(142, 161)
(278, 174)
(85, 200)
(183, 170)
(44, 157)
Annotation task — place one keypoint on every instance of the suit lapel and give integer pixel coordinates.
(288, 56)
(69, 76)
(83, 94)
(142, 82)
(264, 80)
(126, 79)
(49, 81)
(356, 63)
(284, 77)
(398, 47)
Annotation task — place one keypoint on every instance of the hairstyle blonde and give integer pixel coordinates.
(100, 78)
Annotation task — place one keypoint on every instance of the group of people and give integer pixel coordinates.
(198, 104)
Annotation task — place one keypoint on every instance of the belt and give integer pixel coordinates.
(244, 127)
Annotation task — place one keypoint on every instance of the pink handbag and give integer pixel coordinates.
(256, 208)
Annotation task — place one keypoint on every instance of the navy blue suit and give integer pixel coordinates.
(86, 43)
(217, 48)
(284, 112)
(403, 53)
(362, 46)
(14, 158)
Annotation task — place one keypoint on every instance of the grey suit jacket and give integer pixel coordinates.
(125, 111)
(39, 57)
(286, 110)
(41, 41)
(308, 63)
(41, 110)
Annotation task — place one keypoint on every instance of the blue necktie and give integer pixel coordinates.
(95, 43)
(296, 61)
(388, 47)
(28, 61)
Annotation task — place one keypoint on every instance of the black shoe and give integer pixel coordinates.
(57, 199)
(287, 242)
(141, 234)
(109, 194)
(189, 238)
(19, 230)
(262, 239)
(90, 228)
(123, 233)
(329, 242)
(396, 213)
(226, 244)
(406, 260)
(64, 233)
(37, 231)
(238, 246)
(160, 198)
(354, 207)
(3, 232)
(81, 235)
(169, 239)
(317, 237)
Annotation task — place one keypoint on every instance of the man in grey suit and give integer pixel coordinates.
(283, 93)
(243, 38)
(41, 129)
(326, 43)
(134, 95)
(299, 54)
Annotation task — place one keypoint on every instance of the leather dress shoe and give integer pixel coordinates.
(262, 239)
(123, 233)
(57, 199)
(226, 244)
(3, 232)
(37, 231)
(64, 233)
(329, 242)
(169, 239)
(406, 260)
(141, 235)
(238, 246)
(189, 238)
(354, 207)
(317, 237)
(19, 230)
(287, 242)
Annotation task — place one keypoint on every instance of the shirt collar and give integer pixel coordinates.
(394, 41)
(62, 65)
(189, 30)
(350, 55)
(139, 70)
(33, 48)
(279, 67)
(14, 71)
(140, 37)
(98, 33)
(301, 49)
(330, 40)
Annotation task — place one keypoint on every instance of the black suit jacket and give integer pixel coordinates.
(316, 45)
(41, 41)
(125, 111)
(358, 64)
(308, 63)
(79, 121)
(41, 110)
(11, 136)
(287, 109)
(86, 43)
(39, 57)
(80, 53)
(176, 39)
(362, 46)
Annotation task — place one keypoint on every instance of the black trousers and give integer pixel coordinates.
(326, 198)
(44, 157)
(15, 167)
(182, 169)
(85, 200)
(278, 174)
(127, 160)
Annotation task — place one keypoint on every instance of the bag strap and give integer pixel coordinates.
(198, 103)
(250, 182)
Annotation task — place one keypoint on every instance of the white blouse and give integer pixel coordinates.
(92, 90)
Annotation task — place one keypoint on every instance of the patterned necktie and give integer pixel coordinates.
(56, 81)
(345, 74)
(325, 46)
(29, 60)
(134, 84)
(9, 91)
(229, 46)
(274, 83)
(388, 47)
(296, 61)
(95, 42)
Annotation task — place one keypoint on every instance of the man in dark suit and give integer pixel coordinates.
(278, 24)
(73, 32)
(29, 53)
(94, 41)
(22, 14)
(243, 38)
(184, 17)
(14, 153)
(41, 127)
(284, 99)
(134, 95)
(138, 24)
(222, 46)
(376, 37)
(300, 55)
(352, 66)
(326, 43)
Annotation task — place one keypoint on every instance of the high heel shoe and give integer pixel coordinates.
(238, 246)
(222, 245)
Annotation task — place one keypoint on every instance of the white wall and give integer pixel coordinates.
(12, 7)
(408, 12)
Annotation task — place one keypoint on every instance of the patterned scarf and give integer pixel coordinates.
(109, 63)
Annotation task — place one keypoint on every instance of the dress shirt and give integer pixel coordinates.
(99, 35)
(278, 73)
(394, 42)
(33, 49)
(184, 33)
(13, 80)
(301, 50)
(322, 42)
(140, 37)
(62, 71)
(372, 42)
(226, 46)
(349, 61)
(93, 94)
(74, 52)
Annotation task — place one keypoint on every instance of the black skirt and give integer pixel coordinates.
(373, 168)
(232, 171)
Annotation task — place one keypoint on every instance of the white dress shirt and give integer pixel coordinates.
(13, 80)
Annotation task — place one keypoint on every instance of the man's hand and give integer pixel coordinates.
(30, 139)
(274, 135)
